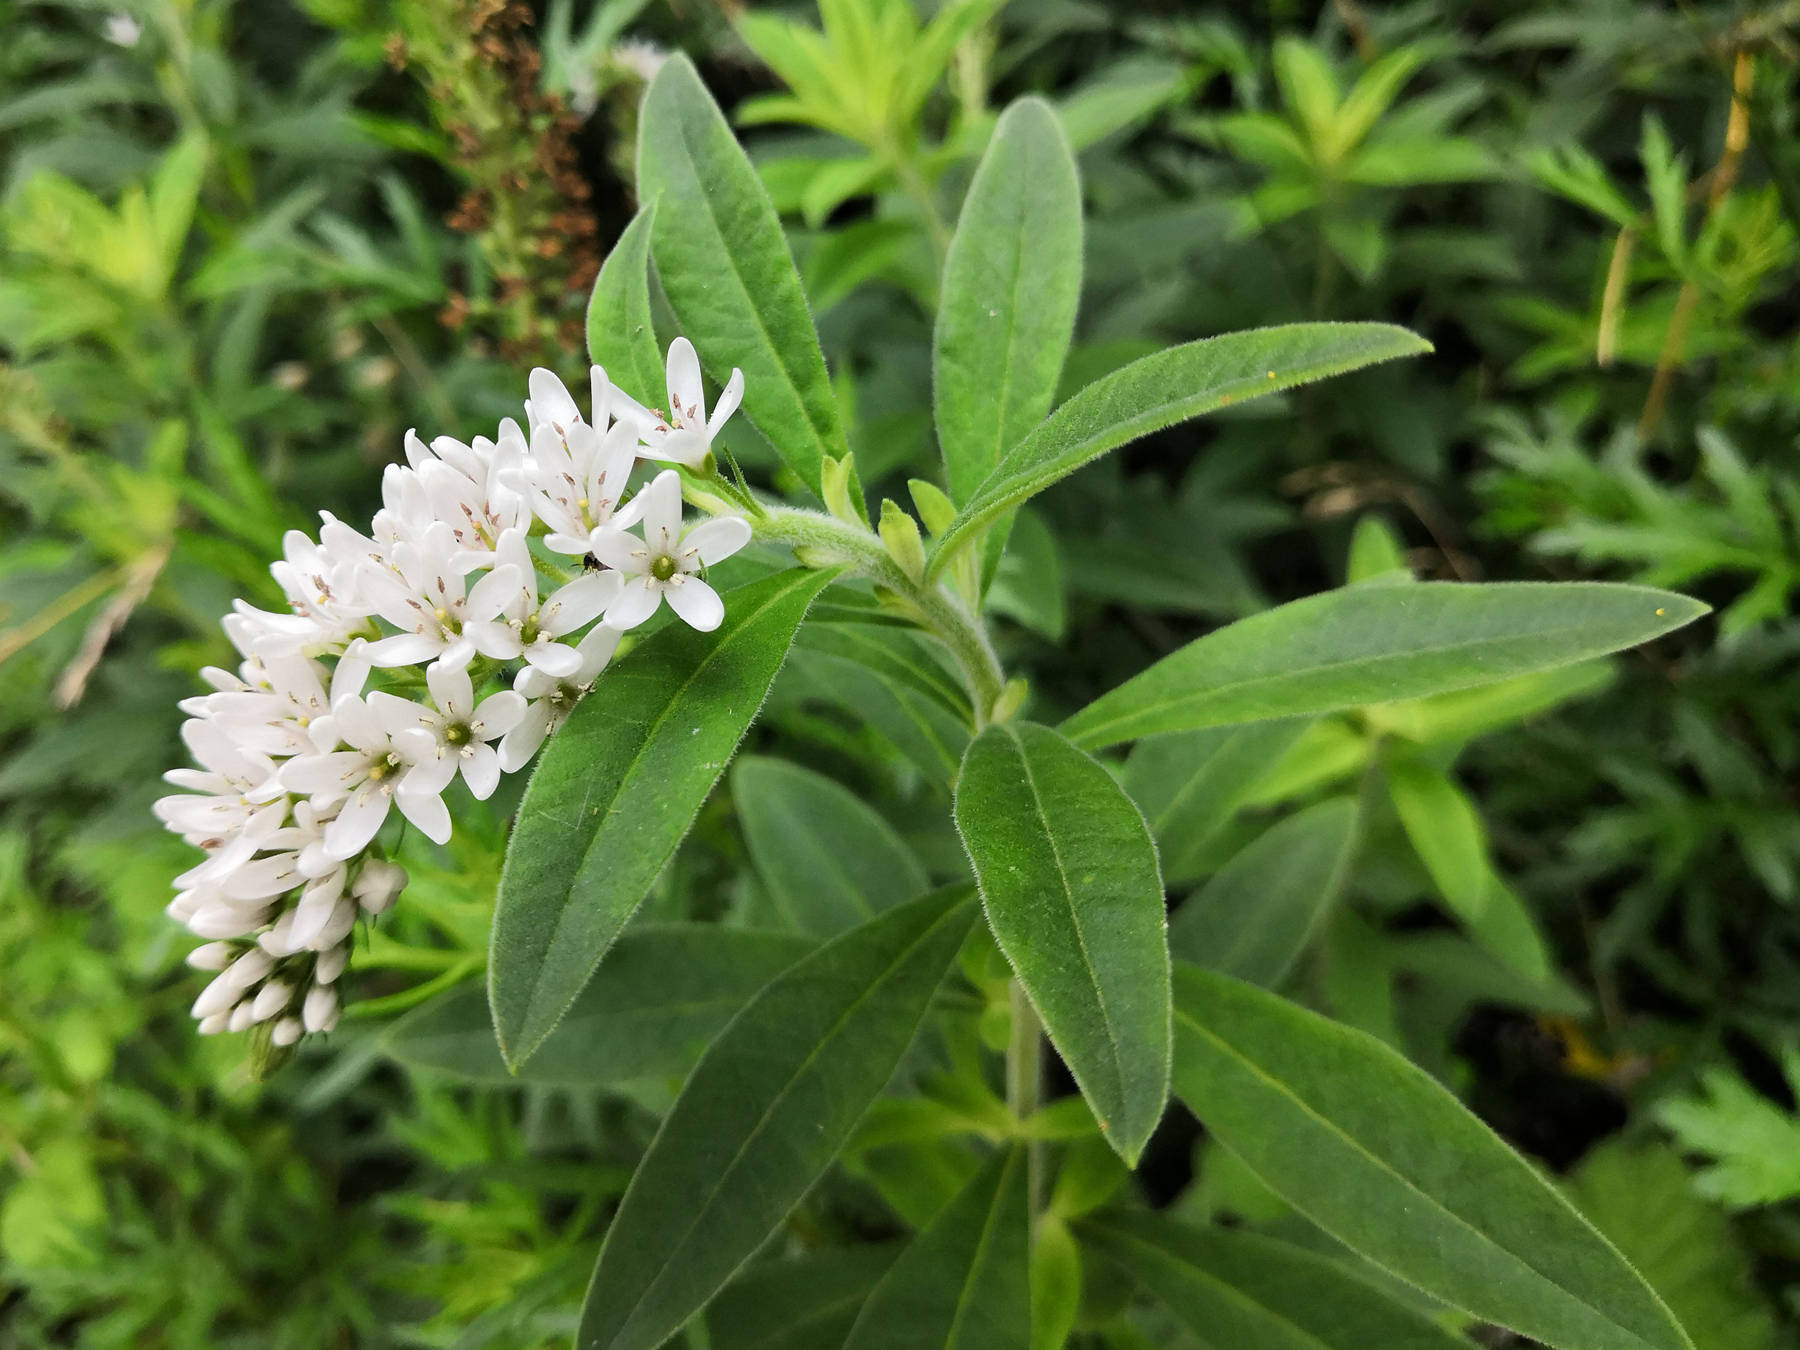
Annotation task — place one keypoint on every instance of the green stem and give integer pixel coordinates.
(826, 541)
(1024, 1085)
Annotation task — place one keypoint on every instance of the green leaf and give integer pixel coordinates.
(1250, 1292)
(615, 791)
(828, 861)
(1190, 783)
(1055, 1283)
(963, 1283)
(663, 992)
(1012, 280)
(1375, 644)
(1380, 1156)
(725, 266)
(807, 1303)
(1069, 879)
(1254, 917)
(1447, 834)
(1159, 391)
(1641, 1196)
(1752, 1145)
(762, 1116)
(620, 335)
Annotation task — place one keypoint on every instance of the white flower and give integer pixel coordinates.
(505, 619)
(461, 729)
(269, 711)
(469, 487)
(122, 30)
(422, 595)
(551, 698)
(378, 885)
(686, 436)
(231, 788)
(664, 563)
(576, 479)
(368, 778)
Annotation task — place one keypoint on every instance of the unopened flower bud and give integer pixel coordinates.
(320, 1012)
(271, 999)
(331, 964)
(211, 956)
(378, 884)
(285, 1032)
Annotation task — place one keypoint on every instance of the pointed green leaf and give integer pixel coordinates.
(963, 1283)
(1375, 644)
(1242, 1291)
(1161, 390)
(1189, 784)
(1253, 918)
(1012, 280)
(1376, 1153)
(620, 335)
(662, 993)
(616, 790)
(725, 266)
(764, 1113)
(1069, 879)
(809, 1302)
(828, 861)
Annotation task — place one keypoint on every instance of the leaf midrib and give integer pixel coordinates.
(1062, 875)
(806, 416)
(626, 777)
(1085, 735)
(768, 1113)
(1231, 1291)
(988, 1226)
(1431, 1201)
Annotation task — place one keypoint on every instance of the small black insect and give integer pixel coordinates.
(589, 563)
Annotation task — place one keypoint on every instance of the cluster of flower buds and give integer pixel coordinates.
(489, 593)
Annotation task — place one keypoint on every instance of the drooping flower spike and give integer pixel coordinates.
(303, 764)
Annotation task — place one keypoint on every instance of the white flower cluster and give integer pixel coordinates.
(301, 759)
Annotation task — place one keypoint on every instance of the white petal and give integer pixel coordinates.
(662, 509)
(355, 825)
(637, 602)
(451, 690)
(489, 597)
(500, 713)
(729, 399)
(617, 549)
(403, 649)
(550, 400)
(555, 659)
(481, 771)
(579, 603)
(717, 539)
(684, 387)
(696, 602)
(427, 811)
(522, 742)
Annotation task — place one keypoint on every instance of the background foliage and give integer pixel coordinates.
(244, 247)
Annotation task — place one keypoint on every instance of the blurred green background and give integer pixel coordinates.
(244, 246)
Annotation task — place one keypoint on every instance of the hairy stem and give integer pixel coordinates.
(825, 541)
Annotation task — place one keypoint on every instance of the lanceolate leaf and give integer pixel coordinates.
(828, 861)
(1189, 785)
(1248, 1292)
(964, 1282)
(1376, 1153)
(1252, 919)
(807, 1303)
(1012, 280)
(663, 992)
(1068, 874)
(616, 790)
(1161, 390)
(620, 335)
(1374, 644)
(764, 1113)
(725, 266)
